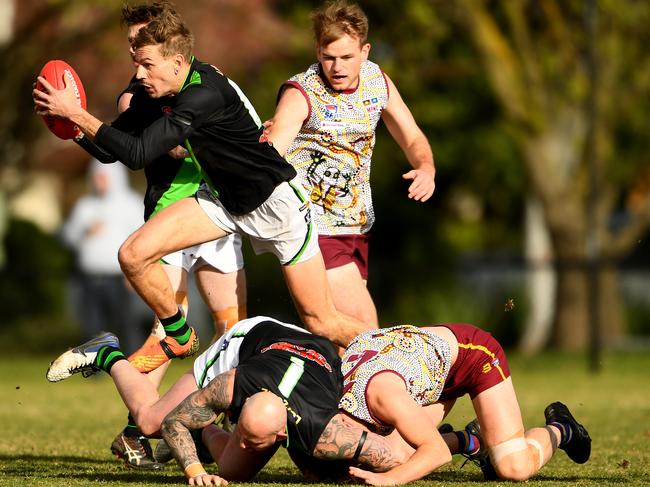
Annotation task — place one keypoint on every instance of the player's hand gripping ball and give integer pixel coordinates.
(60, 74)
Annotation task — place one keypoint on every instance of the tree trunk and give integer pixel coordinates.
(571, 330)
(611, 305)
(540, 280)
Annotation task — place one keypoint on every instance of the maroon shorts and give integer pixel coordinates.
(339, 250)
(481, 363)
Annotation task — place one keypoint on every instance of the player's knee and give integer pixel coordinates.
(132, 257)
(147, 425)
(127, 257)
(517, 469)
(513, 459)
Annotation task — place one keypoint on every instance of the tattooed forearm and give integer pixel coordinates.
(196, 411)
(339, 441)
(377, 454)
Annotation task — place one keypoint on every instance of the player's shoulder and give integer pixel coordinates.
(205, 84)
(371, 70)
(311, 72)
(205, 75)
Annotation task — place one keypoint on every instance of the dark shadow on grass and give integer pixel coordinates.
(111, 470)
(458, 477)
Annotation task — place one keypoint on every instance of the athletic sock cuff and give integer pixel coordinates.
(107, 357)
(174, 321)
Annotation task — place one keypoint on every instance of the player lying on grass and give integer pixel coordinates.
(399, 380)
(299, 371)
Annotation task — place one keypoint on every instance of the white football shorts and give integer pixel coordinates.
(224, 254)
(281, 225)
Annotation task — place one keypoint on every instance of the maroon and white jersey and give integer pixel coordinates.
(333, 150)
(419, 357)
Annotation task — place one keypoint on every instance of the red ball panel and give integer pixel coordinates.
(59, 73)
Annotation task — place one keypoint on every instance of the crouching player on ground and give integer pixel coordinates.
(280, 383)
(396, 380)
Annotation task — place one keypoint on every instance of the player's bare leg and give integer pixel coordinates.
(178, 279)
(176, 227)
(515, 454)
(142, 399)
(307, 283)
(350, 293)
(225, 296)
(130, 444)
(235, 462)
(180, 225)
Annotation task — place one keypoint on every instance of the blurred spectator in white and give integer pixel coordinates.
(98, 224)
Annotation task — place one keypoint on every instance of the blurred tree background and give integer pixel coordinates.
(536, 110)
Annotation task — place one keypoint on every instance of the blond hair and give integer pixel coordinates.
(144, 13)
(337, 18)
(168, 30)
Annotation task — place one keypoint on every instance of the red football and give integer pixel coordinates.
(59, 73)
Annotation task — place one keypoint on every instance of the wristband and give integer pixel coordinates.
(362, 440)
(194, 470)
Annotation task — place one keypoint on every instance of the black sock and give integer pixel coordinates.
(176, 327)
(467, 442)
(565, 432)
(108, 356)
(131, 430)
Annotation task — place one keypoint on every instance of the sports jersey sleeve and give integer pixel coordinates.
(194, 105)
(94, 150)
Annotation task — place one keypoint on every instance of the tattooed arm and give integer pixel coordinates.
(339, 441)
(196, 411)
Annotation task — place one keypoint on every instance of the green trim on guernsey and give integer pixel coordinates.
(185, 183)
(204, 175)
(192, 80)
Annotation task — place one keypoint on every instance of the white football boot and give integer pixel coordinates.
(80, 359)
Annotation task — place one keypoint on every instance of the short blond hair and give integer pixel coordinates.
(144, 13)
(168, 30)
(337, 18)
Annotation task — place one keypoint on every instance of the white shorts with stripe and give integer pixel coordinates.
(281, 225)
(224, 254)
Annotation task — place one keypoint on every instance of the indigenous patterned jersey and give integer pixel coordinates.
(420, 358)
(333, 149)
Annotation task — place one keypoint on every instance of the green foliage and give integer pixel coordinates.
(638, 318)
(32, 284)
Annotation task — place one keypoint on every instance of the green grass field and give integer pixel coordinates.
(59, 434)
